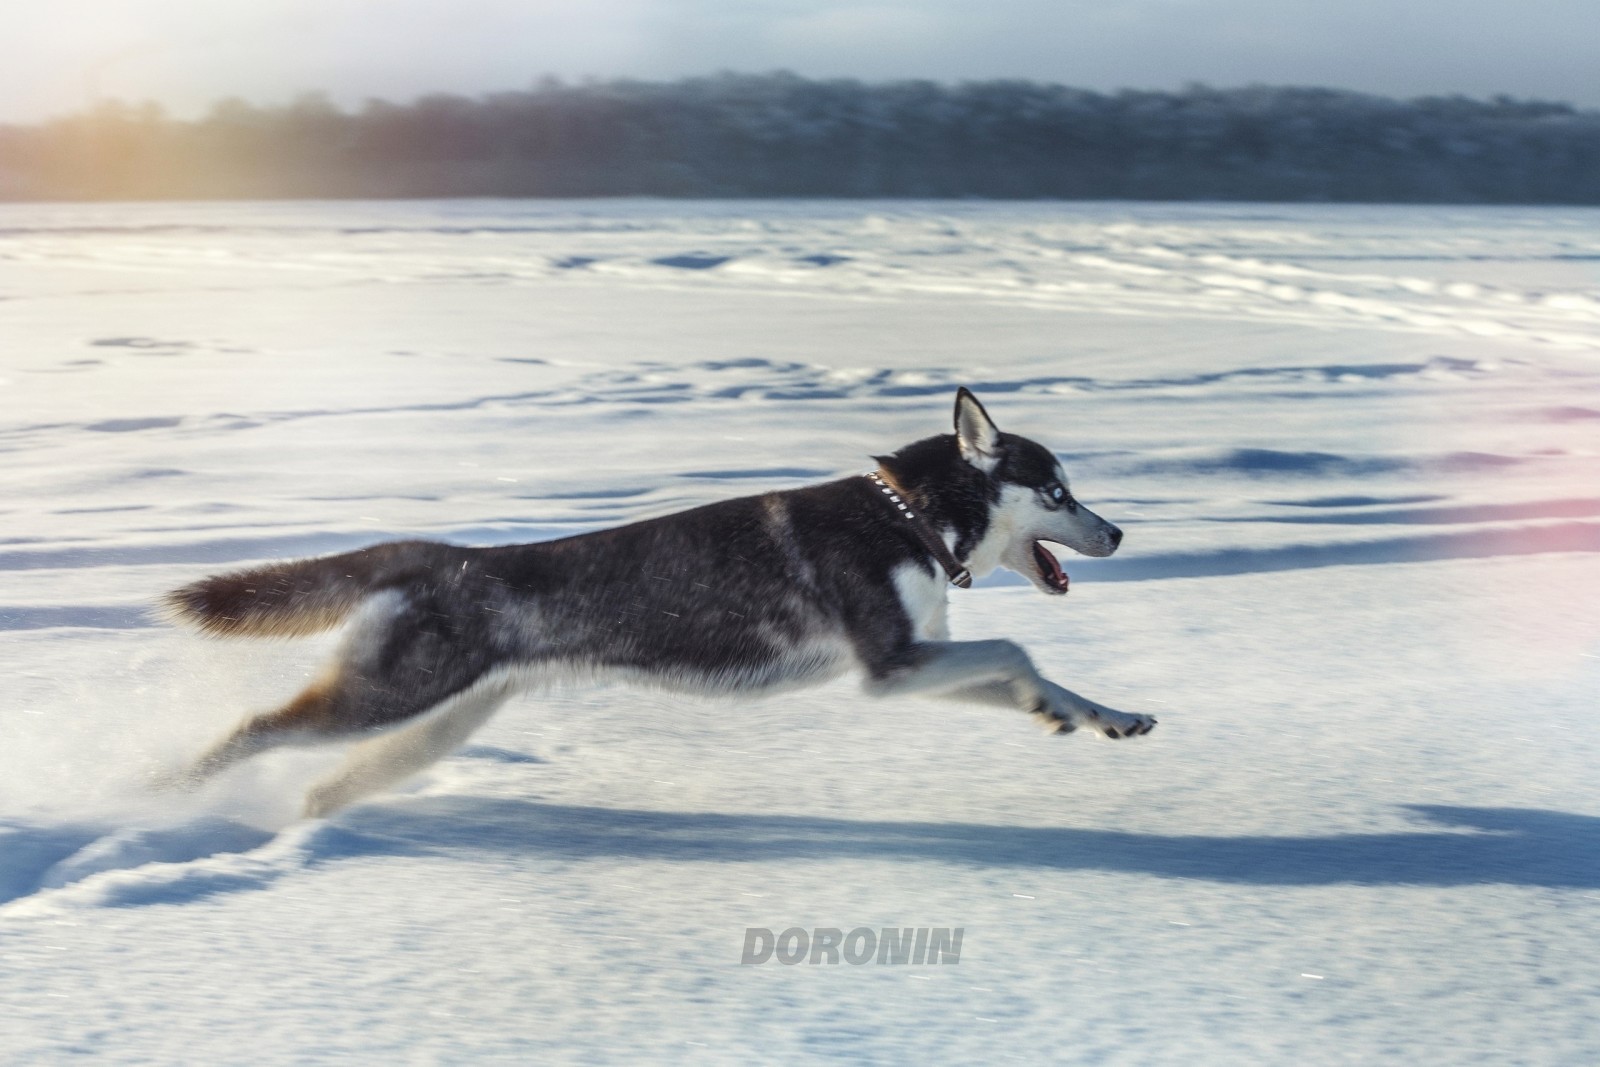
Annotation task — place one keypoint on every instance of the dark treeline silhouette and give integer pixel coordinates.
(781, 135)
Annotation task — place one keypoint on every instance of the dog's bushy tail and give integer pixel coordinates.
(298, 597)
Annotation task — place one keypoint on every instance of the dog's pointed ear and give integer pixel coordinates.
(976, 433)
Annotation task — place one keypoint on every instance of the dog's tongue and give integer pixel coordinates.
(1049, 567)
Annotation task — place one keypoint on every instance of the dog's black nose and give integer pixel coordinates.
(1116, 536)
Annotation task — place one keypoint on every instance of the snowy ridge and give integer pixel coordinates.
(1376, 265)
(139, 865)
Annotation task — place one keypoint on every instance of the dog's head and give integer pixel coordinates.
(1030, 504)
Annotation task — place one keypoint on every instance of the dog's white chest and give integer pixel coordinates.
(924, 598)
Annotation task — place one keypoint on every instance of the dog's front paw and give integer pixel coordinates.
(1120, 724)
(1061, 711)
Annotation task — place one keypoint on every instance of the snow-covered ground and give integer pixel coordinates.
(1355, 452)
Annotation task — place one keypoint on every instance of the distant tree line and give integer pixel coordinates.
(780, 135)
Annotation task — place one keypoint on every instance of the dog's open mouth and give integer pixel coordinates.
(1049, 568)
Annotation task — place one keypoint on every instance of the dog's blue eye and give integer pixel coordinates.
(1057, 493)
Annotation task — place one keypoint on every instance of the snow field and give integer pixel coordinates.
(1354, 453)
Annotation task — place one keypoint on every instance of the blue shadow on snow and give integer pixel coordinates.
(1475, 846)
(1482, 846)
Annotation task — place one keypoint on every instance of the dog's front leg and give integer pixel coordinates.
(938, 667)
(998, 673)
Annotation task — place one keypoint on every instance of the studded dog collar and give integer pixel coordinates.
(959, 576)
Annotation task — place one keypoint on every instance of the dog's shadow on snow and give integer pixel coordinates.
(1465, 846)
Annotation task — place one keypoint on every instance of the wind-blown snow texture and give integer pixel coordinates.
(1355, 453)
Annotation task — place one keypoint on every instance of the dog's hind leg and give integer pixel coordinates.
(400, 659)
(312, 716)
(389, 758)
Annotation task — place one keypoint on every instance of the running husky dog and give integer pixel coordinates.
(747, 595)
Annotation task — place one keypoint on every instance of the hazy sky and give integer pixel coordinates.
(58, 55)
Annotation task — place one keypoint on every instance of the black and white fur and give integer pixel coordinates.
(749, 595)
